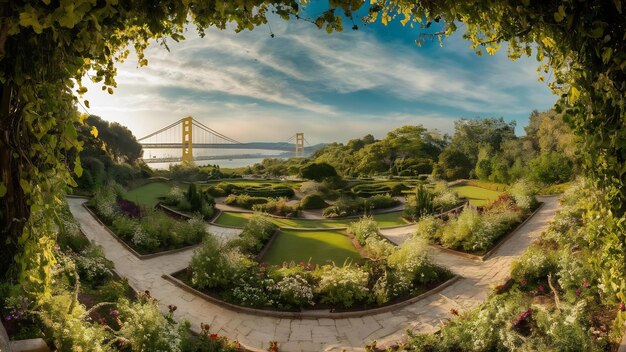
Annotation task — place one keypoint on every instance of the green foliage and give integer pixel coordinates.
(313, 201)
(211, 265)
(533, 268)
(346, 206)
(318, 171)
(255, 234)
(551, 168)
(363, 229)
(524, 193)
(343, 286)
(421, 205)
(93, 268)
(279, 207)
(146, 328)
(244, 201)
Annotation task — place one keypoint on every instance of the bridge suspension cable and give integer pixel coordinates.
(161, 130)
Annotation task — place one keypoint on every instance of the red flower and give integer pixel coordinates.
(622, 306)
(541, 288)
(213, 337)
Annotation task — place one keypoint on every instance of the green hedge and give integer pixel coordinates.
(313, 201)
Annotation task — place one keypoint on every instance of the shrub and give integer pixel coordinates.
(277, 206)
(124, 226)
(70, 235)
(343, 286)
(411, 260)
(445, 199)
(92, 266)
(344, 206)
(313, 201)
(114, 290)
(459, 229)
(211, 266)
(294, 292)
(363, 229)
(255, 234)
(380, 201)
(378, 248)
(533, 267)
(174, 196)
(524, 194)
(104, 201)
(129, 208)
(146, 328)
(419, 205)
(576, 276)
(244, 201)
(429, 227)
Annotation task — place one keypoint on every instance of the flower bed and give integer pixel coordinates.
(476, 232)
(145, 230)
(190, 202)
(345, 206)
(230, 274)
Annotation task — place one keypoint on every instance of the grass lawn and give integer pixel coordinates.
(240, 219)
(321, 247)
(147, 195)
(477, 196)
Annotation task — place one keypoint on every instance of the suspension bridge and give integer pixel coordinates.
(188, 134)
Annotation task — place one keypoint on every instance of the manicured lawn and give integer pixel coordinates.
(240, 219)
(320, 247)
(148, 194)
(476, 195)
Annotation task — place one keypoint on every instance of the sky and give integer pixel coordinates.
(332, 87)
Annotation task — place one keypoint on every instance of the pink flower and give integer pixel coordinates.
(577, 292)
(541, 288)
(114, 312)
(622, 306)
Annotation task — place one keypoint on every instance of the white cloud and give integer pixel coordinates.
(253, 87)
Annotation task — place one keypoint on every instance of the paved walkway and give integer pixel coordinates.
(351, 334)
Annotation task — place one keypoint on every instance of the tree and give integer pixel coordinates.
(318, 172)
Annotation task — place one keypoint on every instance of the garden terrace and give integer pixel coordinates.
(477, 196)
(149, 194)
(145, 230)
(311, 247)
(234, 219)
(255, 332)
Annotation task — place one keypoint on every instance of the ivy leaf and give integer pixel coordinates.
(606, 55)
(3, 189)
(78, 169)
(573, 95)
(94, 131)
(560, 14)
(30, 19)
(25, 185)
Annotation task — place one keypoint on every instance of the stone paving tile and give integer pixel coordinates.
(298, 335)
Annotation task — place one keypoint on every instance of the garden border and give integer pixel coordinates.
(495, 247)
(186, 216)
(131, 249)
(307, 314)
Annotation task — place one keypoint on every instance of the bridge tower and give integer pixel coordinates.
(187, 140)
(299, 145)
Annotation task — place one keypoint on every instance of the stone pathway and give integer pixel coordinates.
(351, 334)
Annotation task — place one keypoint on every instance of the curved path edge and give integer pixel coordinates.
(350, 334)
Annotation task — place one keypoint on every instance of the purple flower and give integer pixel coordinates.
(577, 292)
(114, 312)
(7, 318)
